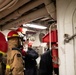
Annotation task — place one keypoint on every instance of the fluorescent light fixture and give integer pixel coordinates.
(34, 26)
(24, 29)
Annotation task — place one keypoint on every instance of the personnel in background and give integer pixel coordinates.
(2, 65)
(14, 57)
(30, 61)
(45, 65)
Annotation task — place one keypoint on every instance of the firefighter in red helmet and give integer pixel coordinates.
(14, 57)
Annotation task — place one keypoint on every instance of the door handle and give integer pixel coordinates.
(68, 38)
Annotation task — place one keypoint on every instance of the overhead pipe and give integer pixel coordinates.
(27, 18)
(50, 8)
(8, 5)
(13, 4)
(24, 9)
(3, 3)
(15, 7)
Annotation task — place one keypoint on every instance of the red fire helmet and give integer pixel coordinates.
(12, 33)
(19, 29)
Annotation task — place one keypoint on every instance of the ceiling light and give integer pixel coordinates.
(34, 26)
